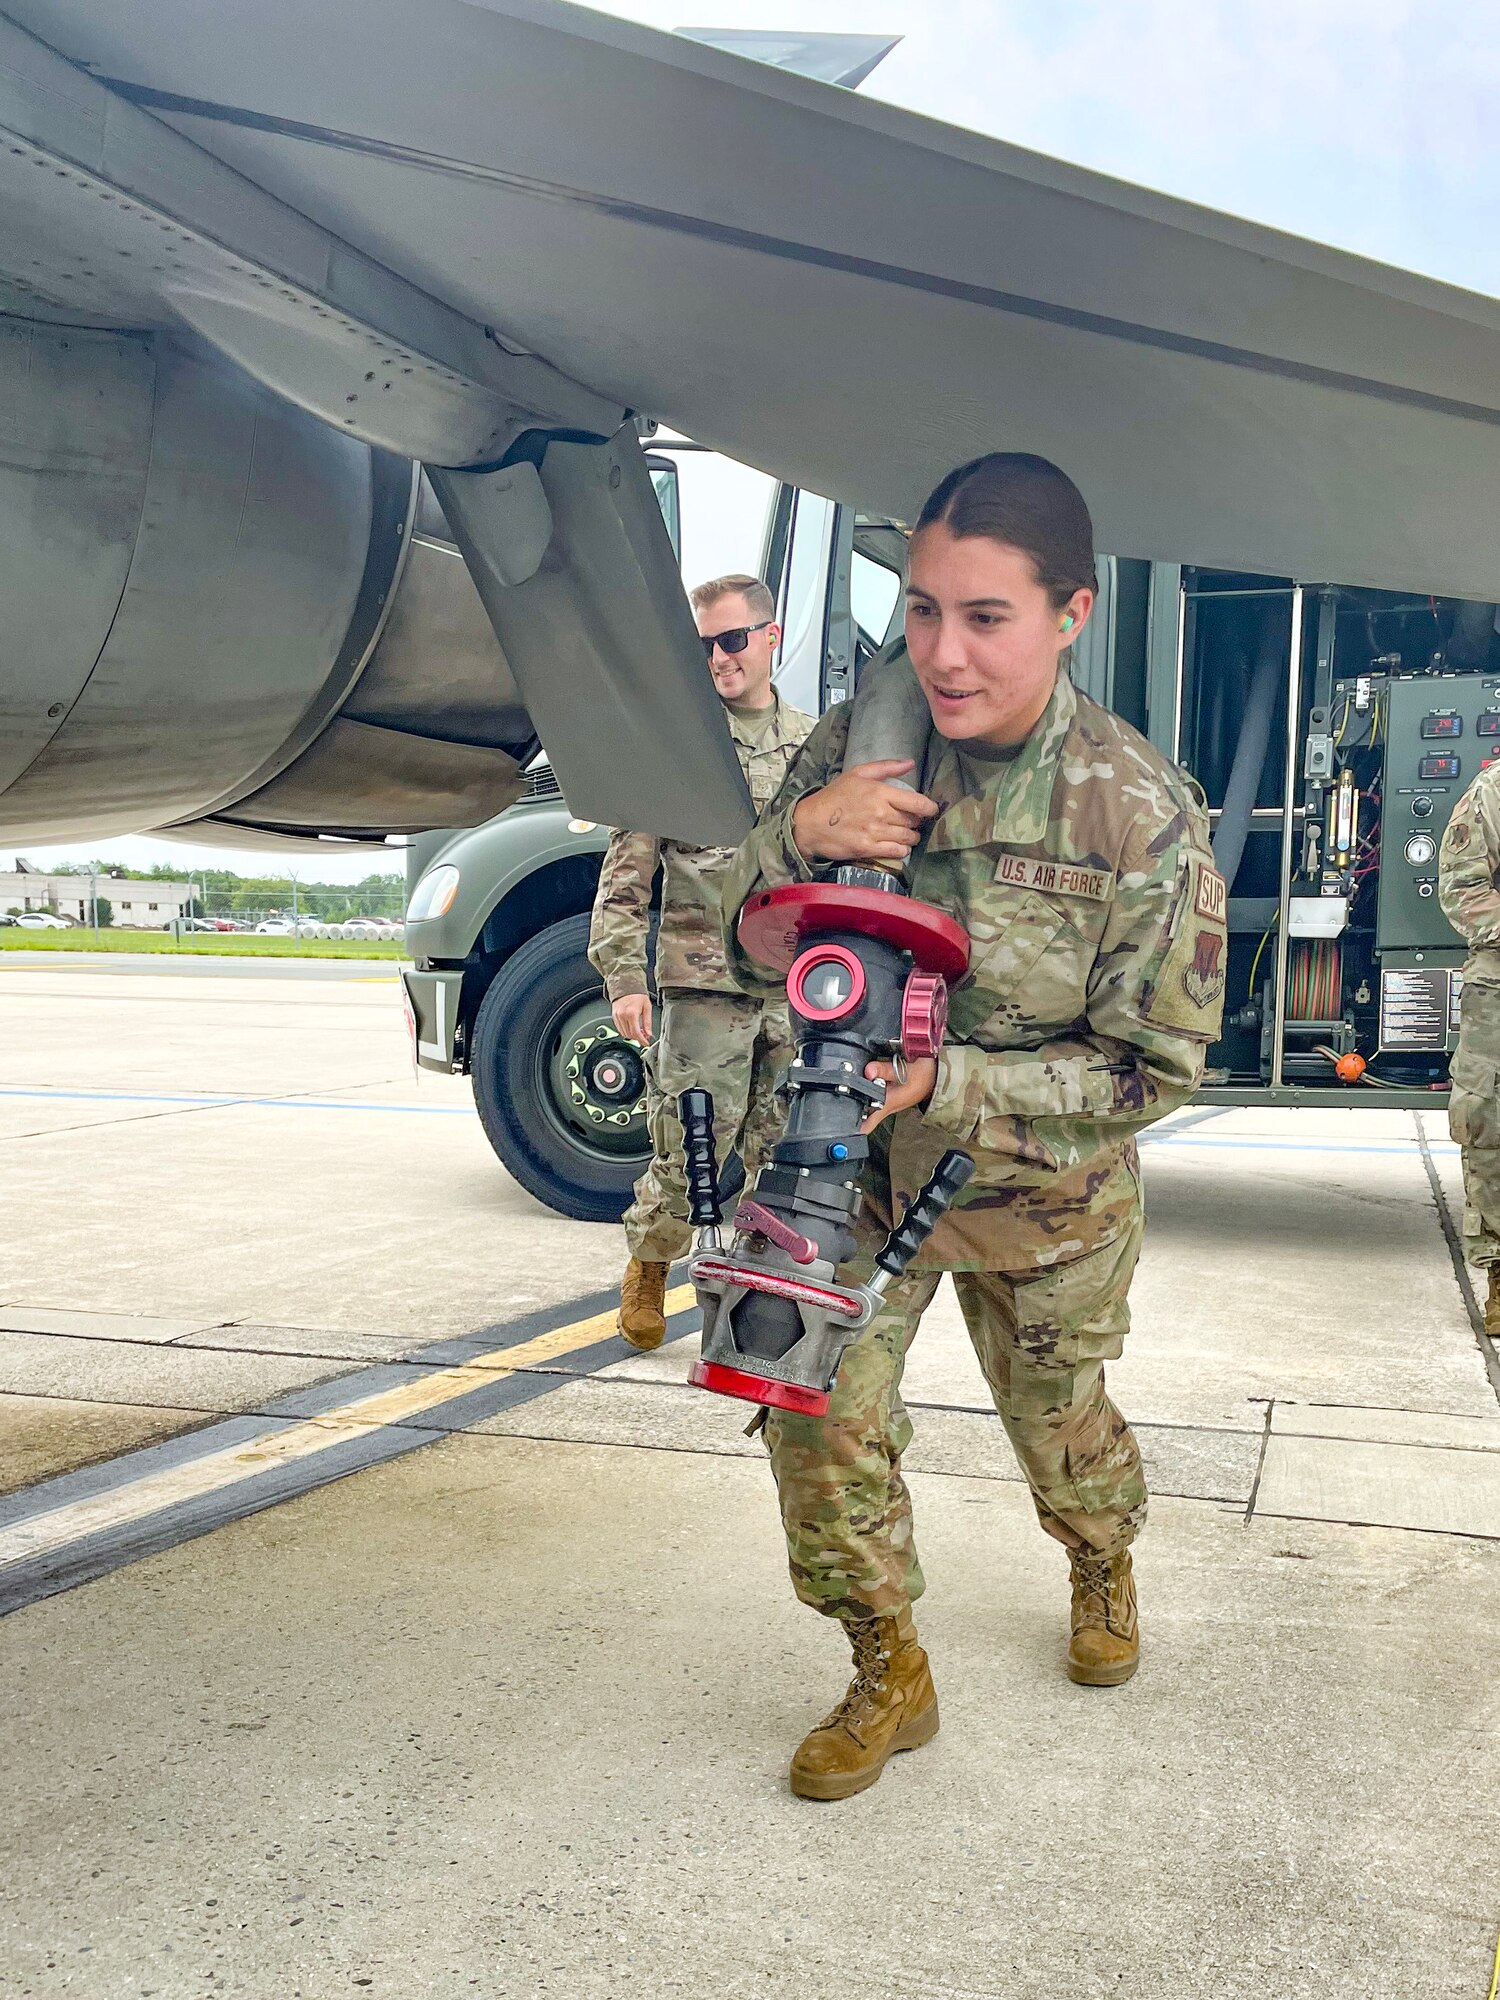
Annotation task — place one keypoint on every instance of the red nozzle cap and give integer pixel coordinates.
(924, 1015)
(1350, 1068)
(758, 1389)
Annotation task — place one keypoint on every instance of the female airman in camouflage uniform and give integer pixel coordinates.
(1077, 858)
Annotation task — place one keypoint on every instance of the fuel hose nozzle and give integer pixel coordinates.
(866, 972)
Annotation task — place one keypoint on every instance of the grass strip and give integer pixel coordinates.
(203, 944)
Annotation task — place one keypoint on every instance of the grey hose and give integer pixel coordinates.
(891, 718)
(1250, 753)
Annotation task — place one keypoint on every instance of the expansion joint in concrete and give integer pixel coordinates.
(1456, 1252)
(1260, 1463)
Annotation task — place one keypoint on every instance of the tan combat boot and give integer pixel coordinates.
(1105, 1648)
(642, 1318)
(1492, 1304)
(890, 1706)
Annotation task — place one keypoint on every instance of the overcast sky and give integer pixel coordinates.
(1365, 123)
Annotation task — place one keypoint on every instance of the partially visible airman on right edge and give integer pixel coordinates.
(1468, 869)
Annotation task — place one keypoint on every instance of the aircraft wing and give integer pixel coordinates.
(842, 292)
(567, 218)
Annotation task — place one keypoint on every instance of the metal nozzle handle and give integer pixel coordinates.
(951, 1173)
(696, 1110)
(764, 1222)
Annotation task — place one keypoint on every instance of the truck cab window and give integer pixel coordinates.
(875, 597)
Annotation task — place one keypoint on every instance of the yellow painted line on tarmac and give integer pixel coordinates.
(195, 1477)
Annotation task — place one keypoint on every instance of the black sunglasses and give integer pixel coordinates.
(735, 640)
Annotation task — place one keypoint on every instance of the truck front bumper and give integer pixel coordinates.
(432, 1016)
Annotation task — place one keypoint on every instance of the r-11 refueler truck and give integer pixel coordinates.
(1333, 731)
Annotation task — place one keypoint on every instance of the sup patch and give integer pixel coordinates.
(1212, 900)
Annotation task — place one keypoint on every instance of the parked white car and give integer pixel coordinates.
(273, 927)
(42, 920)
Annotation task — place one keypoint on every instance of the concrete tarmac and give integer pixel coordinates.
(509, 1713)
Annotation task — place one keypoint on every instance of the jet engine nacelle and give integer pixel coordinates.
(217, 615)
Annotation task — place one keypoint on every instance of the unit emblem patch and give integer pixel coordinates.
(1203, 980)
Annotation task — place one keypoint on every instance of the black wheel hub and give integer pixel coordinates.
(612, 1073)
(599, 1082)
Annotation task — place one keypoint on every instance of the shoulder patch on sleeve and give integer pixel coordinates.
(1212, 898)
(1188, 990)
(1203, 975)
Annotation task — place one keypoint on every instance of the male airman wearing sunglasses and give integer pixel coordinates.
(709, 1032)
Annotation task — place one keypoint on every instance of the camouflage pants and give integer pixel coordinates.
(1474, 1118)
(1042, 1342)
(737, 1049)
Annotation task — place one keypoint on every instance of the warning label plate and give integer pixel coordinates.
(1414, 1008)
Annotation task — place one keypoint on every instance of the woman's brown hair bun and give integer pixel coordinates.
(1028, 503)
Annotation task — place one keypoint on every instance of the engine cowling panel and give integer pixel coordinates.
(216, 617)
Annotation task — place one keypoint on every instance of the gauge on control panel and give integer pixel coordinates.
(1441, 766)
(1488, 723)
(1442, 725)
(1420, 849)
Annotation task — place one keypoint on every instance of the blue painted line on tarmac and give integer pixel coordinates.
(1405, 1148)
(261, 1103)
(1168, 1138)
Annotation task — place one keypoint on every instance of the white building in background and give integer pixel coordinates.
(145, 906)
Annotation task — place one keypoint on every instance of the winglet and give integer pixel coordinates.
(841, 59)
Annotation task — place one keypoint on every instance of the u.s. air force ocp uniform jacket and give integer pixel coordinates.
(1082, 871)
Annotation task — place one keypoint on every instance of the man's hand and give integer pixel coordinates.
(632, 1016)
(921, 1081)
(859, 817)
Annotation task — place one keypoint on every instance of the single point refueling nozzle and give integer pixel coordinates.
(866, 972)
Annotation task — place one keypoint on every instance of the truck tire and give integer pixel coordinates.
(558, 1091)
